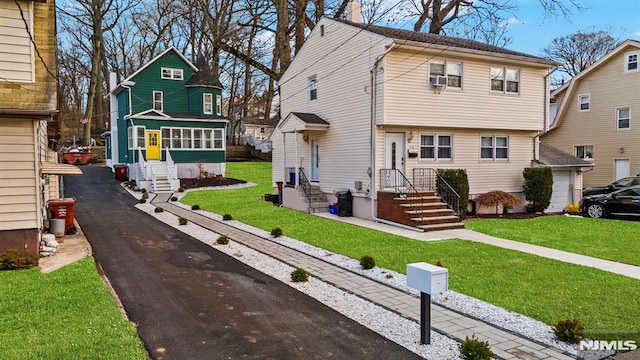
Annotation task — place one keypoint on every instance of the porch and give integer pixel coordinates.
(155, 175)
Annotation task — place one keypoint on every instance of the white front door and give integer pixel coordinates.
(315, 161)
(622, 168)
(394, 156)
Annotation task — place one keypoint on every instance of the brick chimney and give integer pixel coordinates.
(353, 11)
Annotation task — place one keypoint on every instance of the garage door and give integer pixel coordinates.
(561, 196)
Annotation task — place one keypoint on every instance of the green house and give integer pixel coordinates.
(166, 123)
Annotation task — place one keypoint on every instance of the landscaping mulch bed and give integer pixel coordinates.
(209, 182)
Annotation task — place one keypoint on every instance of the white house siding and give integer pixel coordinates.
(409, 100)
(18, 175)
(344, 92)
(609, 88)
(484, 175)
(16, 52)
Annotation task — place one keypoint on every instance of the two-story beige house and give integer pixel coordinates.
(594, 115)
(28, 100)
(376, 110)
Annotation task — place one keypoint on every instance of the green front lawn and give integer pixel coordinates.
(610, 239)
(67, 314)
(541, 288)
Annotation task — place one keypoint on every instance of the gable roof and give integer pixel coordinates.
(296, 121)
(571, 84)
(204, 76)
(128, 78)
(554, 157)
(447, 42)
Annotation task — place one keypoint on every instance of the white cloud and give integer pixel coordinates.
(637, 33)
(513, 21)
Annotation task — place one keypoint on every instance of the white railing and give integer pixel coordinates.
(172, 170)
(142, 166)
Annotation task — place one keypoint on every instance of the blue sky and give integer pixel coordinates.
(531, 31)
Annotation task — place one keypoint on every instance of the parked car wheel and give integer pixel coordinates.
(595, 211)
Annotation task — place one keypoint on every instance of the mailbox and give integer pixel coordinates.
(427, 278)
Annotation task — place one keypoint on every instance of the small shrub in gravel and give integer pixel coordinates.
(14, 259)
(145, 195)
(367, 262)
(158, 209)
(222, 240)
(299, 275)
(474, 349)
(182, 221)
(569, 330)
(227, 217)
(180, 189)
(143, 200)
(143, 190)
(195, 207)
(174, 198)
(276, 232)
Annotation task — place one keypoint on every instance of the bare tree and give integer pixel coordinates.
(578, 51)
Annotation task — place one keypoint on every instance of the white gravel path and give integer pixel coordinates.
(394, 327)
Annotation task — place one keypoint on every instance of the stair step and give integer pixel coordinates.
(429, 198)
(436, 218)
(429, 211)
(445, 226)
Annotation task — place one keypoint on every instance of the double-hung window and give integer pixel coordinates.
(218, 105)
(584, 152)
(135, 137)
(584, 102)
(445, 73)
(436, 147)
(207, 103)
(313, 89)
(172, 74)
(505, 80)
(632, 62)
(494, 148)
(623, 118)
(157, 100)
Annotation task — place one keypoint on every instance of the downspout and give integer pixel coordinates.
(126, 85)
(545, 116)
(374, 78)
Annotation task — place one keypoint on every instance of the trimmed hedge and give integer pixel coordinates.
(458, 180)
(538, 187)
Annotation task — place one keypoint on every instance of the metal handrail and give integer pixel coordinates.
(395, 180)
(428, 178)
(305, 184)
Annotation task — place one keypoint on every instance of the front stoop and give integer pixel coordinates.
(317, 200)
(427, 211)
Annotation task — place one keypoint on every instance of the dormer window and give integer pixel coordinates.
(157, 100)
(172, 74)
(632, 62)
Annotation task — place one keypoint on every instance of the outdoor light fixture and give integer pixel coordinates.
(621, 149)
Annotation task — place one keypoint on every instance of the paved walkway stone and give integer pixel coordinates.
(506, 345)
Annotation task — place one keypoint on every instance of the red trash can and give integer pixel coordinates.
(64, 209)
(122, 172)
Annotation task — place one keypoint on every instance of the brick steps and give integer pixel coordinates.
(426, 211)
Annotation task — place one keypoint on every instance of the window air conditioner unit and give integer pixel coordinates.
(438, 81)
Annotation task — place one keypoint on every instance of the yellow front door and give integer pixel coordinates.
(153, 145)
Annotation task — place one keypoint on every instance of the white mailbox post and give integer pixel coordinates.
(428, 279)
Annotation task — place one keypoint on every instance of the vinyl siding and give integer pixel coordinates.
(484, 175)
(344, 98)
(16, 51)
(411, 101)
(609, 88)
(18, 175)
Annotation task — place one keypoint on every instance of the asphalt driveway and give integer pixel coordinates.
(190, 301)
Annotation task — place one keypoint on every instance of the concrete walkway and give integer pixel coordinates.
(466, 234)
(504, 344)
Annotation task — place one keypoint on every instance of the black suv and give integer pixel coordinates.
(616, 185)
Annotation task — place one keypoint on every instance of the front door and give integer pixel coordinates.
(153, 145)
(315, 161)
(394, 155)
(622, 168)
